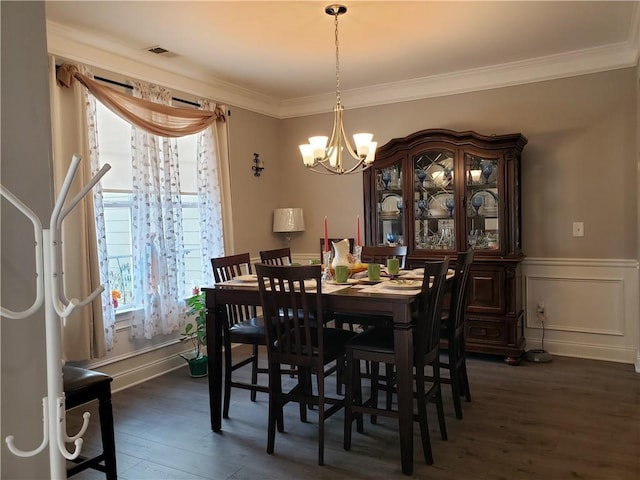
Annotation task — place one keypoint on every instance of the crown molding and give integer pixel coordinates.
(623, 55)
(111, 55)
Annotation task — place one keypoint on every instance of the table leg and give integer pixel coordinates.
(403, 341)
(215, 318)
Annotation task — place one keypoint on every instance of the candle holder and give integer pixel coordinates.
(357, 254)
(326, 260)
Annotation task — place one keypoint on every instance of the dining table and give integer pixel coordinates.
(350, 298)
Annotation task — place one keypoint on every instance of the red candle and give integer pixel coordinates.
(326, 235)
(358, 231)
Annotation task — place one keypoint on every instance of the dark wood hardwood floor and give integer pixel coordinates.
(568, 419)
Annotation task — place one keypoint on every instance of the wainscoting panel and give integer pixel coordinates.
(591, 307)
(598, 310)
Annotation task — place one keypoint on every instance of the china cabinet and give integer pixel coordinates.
(441, 192)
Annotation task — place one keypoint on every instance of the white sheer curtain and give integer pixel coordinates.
(158, 246)
(209, 197)
(108, 312)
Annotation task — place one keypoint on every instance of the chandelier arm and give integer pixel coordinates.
(350, 149)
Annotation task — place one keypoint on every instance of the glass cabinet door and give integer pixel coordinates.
(483, 202)
(434, 200)
(390, 207)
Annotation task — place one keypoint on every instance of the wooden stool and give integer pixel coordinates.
(81, 386)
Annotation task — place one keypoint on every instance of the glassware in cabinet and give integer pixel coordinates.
(482, 196)
(390, 206)
(434, 200)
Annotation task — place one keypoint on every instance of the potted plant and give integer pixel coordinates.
(196, 334)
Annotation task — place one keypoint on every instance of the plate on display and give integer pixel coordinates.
(349, 281)
(246, 278)
(400, 284)
(416, 273)
(389, 205)
(441, 173)
(438, 205)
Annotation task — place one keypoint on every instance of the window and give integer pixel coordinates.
(114, 146)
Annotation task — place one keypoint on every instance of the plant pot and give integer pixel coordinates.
(198, 367)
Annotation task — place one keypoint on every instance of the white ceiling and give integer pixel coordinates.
(389, 51)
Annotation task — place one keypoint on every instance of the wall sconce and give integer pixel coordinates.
(257, 166)
(288, 221)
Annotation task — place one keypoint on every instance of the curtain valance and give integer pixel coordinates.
(155, 118)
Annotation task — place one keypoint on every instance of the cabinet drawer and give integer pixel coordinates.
(486, 290)
(486, 331)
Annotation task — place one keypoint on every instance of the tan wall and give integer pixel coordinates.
(579, 165)
(254, 198)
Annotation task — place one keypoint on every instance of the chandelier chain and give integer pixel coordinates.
(337, 59)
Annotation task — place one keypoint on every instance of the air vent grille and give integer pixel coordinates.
(157, 50)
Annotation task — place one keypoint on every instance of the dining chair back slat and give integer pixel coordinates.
(278, 256)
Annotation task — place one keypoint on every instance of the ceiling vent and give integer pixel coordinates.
(158, 50)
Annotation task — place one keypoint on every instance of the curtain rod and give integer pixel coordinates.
(120, 84)
(125, 85)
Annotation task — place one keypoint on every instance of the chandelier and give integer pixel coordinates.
(324, 154)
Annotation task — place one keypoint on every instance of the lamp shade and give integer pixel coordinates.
(288, 220)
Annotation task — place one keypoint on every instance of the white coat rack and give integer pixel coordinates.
(49, 289)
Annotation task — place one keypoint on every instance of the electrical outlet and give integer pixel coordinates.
(578, 229)
(540, 308)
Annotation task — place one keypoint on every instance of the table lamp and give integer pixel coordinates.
(288, 221)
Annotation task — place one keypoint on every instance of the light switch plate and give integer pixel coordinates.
(578, 229)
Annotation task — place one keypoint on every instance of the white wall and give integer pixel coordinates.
(26, 172)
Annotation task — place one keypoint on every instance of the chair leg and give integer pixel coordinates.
(454, 375)
(304, 383)
(463, 371)
(254, 370)
(227, 377)
(465, 381)
(321, 412)
(348, 400)
(375, 388)
(105, 410)
(422, 416)
(275, 407)
(353, 396)
(389, 381)
(439, 403)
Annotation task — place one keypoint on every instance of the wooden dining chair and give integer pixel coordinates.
(452, 332)
(380, 254)
(376, 345)
(298, 339)
(242, 326)
(278, 256)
